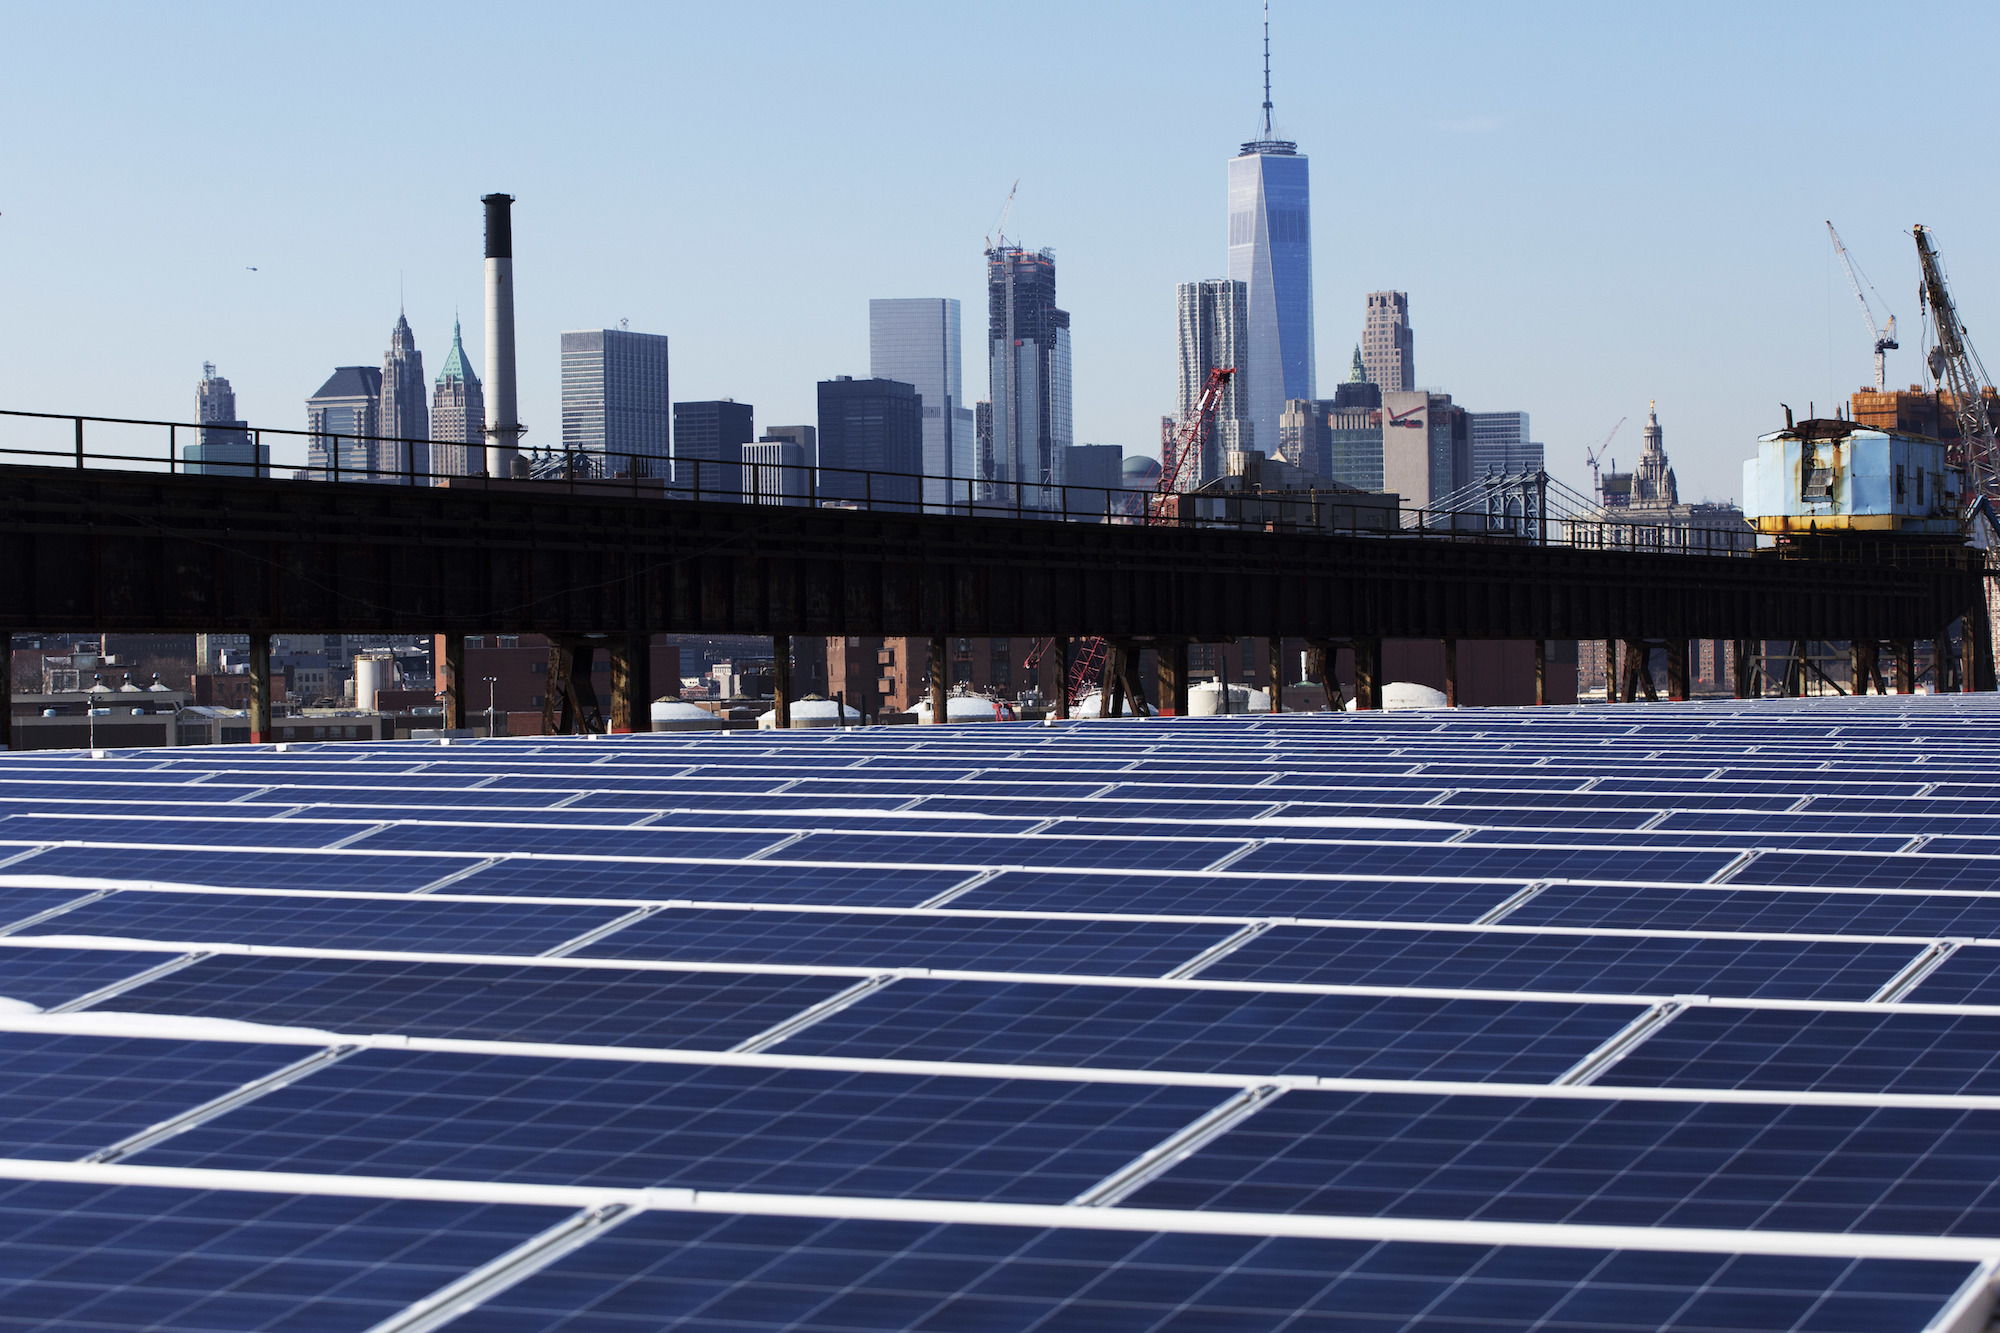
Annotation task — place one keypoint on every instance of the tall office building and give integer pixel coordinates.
(615, 403)
(458, 415)
(777, 469)
(225, 446)
(343, 417)
(916, 341)
(708, 447)
(1028, 362)
(1214, 327)
(871, 441)
(1388, 351)
(1270, 251)
(404, 416)
(1426, 446)
(1500, 445)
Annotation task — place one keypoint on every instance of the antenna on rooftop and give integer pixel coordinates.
(1267, 69)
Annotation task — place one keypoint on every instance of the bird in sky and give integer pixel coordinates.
(251, 267)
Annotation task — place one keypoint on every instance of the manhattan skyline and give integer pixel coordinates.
(1590, 210)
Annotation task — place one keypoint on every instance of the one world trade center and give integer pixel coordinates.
(1270, 251)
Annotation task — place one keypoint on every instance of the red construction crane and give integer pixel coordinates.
(1178, 470)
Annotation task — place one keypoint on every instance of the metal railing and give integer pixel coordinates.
(342, 457)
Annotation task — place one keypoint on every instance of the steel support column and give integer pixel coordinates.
(260, 689)
(1367, 674)
(1451, 673)
(1677, 670)
(632, 682)
(451, 679)
(1276, 647)
(781, 681)
(7, 700)
(1742, 667)
(1171, 657)
(940, 680)
(1541, 671)
(1905, 653)
(1611, 677)
(1062, 676)
(1942, 679)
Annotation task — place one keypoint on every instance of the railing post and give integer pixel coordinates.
(171, 451)
(79, 442)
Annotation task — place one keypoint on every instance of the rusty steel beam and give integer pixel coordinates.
(146, 552)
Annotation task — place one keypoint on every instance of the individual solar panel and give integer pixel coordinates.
(65, 1096)
(1818, 869)
(49, 976)
(1756, 1167)
(743, 881)
(1207, 1030)
(785, 1131)
(704, 1011)
(89, 1257)
(1607, 964)
(1969, 976)
(1219, 895)
(1801, 911)
(760, 1274)
(560, 839)
(1103, 947)
(1462, 861)
(332, 872)
(969, 850)
(415, 925)
(1842, 1050)
(1662, 838)
(261, 832)
(19, 904)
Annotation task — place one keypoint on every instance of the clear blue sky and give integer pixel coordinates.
(1590, 205)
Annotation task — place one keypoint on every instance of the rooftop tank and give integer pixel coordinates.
(1837, 476)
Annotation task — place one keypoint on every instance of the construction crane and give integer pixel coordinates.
(1884, 339)
(1000, 227)
(1595, 457)
(1956, 369)
(1177, 473)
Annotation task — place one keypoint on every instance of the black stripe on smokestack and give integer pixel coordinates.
(499, 225)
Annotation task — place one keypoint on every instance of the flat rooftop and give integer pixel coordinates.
(1662, 1015)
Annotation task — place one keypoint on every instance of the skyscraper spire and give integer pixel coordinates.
(1267, 69)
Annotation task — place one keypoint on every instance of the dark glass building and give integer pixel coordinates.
(708, 448)
(874, 426)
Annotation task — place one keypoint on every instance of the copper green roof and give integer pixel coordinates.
(454, 362)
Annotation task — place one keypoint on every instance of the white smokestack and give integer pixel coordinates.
(503, 416)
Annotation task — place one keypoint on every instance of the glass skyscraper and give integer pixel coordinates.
(916, 341)
(1270, 251)
(615, 400)
(1028, 362)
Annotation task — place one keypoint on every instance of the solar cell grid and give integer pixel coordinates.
(784, 1131)
(330, 872)
(253, 832)
(1237, 895)
(1476, 861)
(84, 1257)
(556, 839)
(46, 977)
(1217, 1031)
(965, 943)
(1041, 850)
(763, 1274)
(1606, 964)
(65, 1096)
(1818, 1051)
(418, 925)
(1896, 1170)
(703, 1010)
(1801, 911)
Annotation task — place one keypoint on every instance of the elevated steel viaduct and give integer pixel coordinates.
(91, 549)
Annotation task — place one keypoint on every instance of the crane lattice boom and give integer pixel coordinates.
(1884, 341)
(1956, 369)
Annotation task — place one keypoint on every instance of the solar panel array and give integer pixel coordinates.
(1668, 1016)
